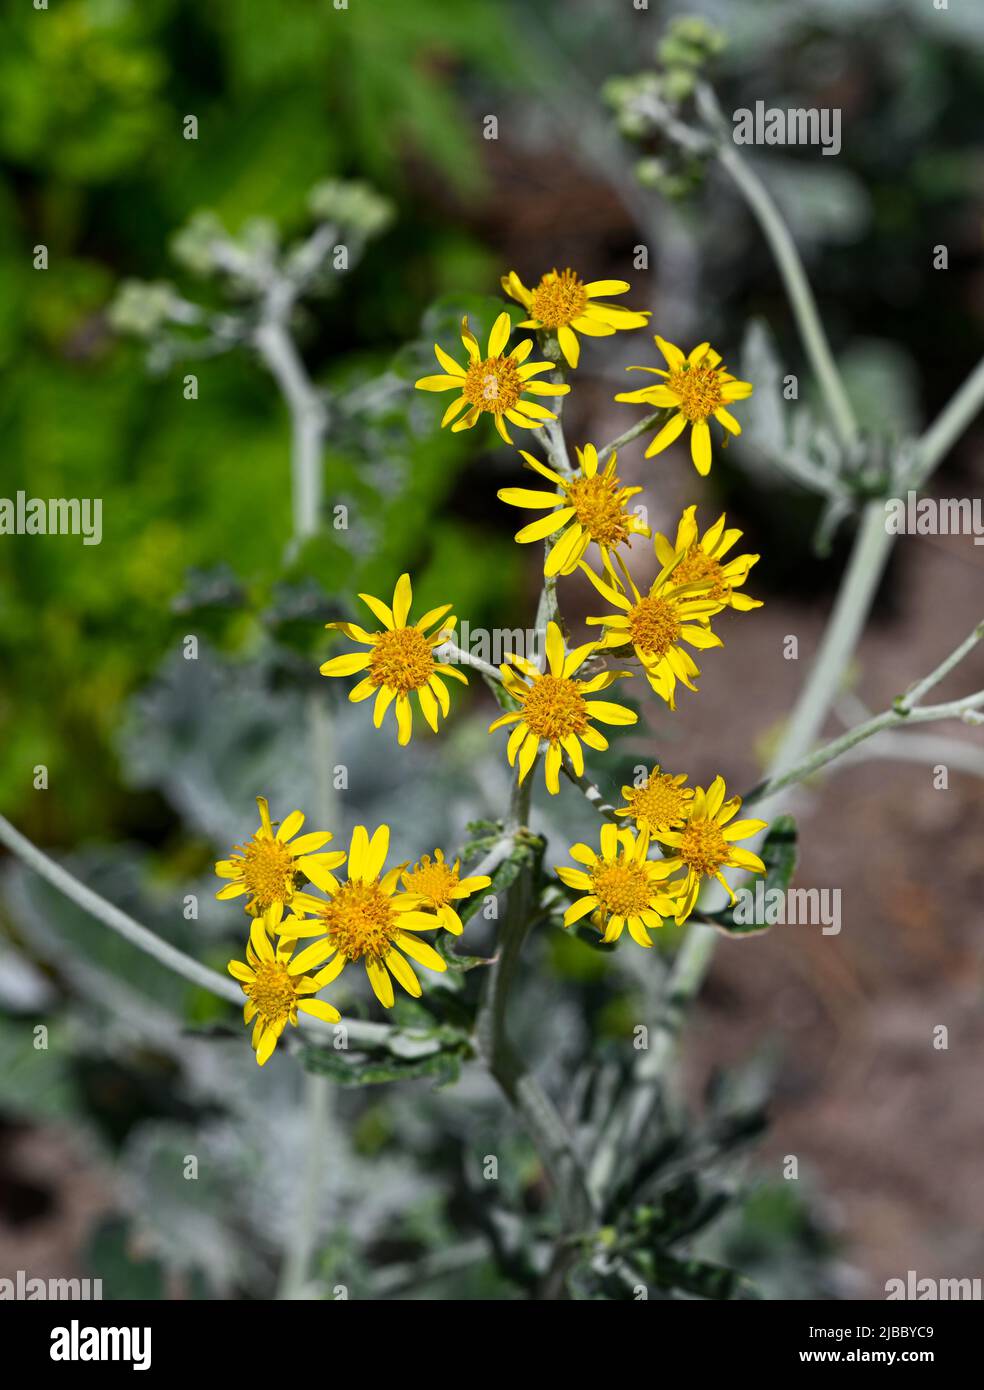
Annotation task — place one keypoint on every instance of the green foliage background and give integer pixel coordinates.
(96, 169)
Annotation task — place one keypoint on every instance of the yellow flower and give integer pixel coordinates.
(655, 625)
(276, 984)
(590, 507)
(366, 919)
(662, 802)
(438, 885)
(267, 867)
(400, 660)
(563, 303)
(553, 709)
(696, 387)
(699, 559)
(621, 886)
(496, 384)
(705, 845)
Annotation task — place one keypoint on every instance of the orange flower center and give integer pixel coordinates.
(269, 872)
(432, 879)
(493, 385)
(660, 802)
(697, 566)
(703, 848)
(558, 298)
(360, 921)
(622, 888)
(699, 389)
(654, 625)
(402, 659)
(272, 991)
(596, 502)
(553, 708)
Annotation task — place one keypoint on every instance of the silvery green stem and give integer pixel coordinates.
(787, 258)
(120, 922)
(308, 421)
(647, 422)
(308, 416)
(370, 1034)
(914, 695)
(538, 1112)
(450, 651)
(299, 1250)
(798, 289)
(949, 425)
(888, 719)
(869, 555)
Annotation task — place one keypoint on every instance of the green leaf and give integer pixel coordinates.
(691, 1276)
(458, 963)
(444, 1066)
(525, 852)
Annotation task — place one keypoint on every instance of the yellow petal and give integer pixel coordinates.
(499, 335)
(381, 983)
(402, 598)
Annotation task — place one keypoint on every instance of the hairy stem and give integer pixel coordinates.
(647, 422)
(372, 1034)
(801, 298)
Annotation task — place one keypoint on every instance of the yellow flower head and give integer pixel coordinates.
(621, 886)
(705, 845)
(496, 384)
(268, 865)
(439, 884)
(366, 919)
(695, 388)
(591, 507)
(656, 624)
(553, 709)
(564, 304)
(277, 985)
(699, 559)
(662, 802)
(400, 660)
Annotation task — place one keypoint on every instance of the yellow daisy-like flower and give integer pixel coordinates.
(697, 387)
(400, 660)
(553, 709)
(697, 559)
(656, 624)
(706, 845)
(621, 886)
(268, 865)
(564, 304)
(589, 508)
(366, 919)
(497, 384)
(277, 985)
(662, 802)
(438, 884)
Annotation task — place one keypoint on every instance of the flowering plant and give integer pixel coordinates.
(629, 1180)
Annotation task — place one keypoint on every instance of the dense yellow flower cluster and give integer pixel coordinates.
(367, 917)
(377, 915)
